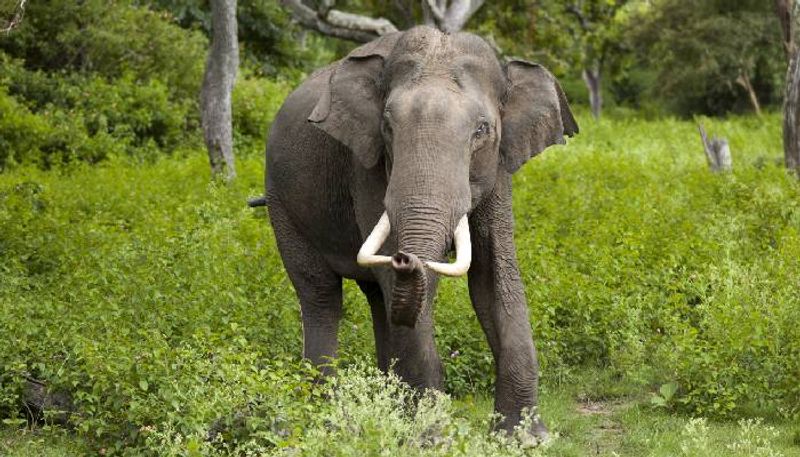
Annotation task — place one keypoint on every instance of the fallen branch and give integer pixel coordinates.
(42, 403)
(329, 21)
(339, 24)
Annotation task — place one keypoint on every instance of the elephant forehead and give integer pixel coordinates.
(424, 43)
(461, 58)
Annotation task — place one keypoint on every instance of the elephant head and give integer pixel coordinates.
(443, 117)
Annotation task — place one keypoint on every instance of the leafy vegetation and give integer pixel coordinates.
(703, 57)
(89, 81)
(157, 300)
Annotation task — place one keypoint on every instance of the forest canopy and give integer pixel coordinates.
(662, 57)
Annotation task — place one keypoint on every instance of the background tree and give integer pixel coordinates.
(714, 57)
(594, 38)
(787, 12)
(269, 42)
(215, 98)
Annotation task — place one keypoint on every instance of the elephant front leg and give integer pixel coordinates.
(498, 297)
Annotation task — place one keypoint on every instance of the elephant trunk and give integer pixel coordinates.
(410, 289)
(424, 229)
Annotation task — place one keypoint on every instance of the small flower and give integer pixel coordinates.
(454, 354)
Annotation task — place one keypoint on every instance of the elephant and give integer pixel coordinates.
(382, 163)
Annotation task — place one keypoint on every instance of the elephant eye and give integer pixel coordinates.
(386, 128)
(482, 130)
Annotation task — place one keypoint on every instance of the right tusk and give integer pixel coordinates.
(366, 255)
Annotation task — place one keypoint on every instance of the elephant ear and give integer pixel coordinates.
(535, 114)
(351, 108)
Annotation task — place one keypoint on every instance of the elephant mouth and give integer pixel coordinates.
(367, 255)
(409, 293)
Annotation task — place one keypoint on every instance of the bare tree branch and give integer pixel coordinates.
(351, 21)
(458, 13)
(329, 21)
(16, 18)
(436, 8)
(357, 27)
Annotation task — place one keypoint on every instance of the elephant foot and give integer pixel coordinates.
(530, 432)
(534, 435)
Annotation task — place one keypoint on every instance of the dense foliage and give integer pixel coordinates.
(700, 56)
(158, 301)
(93, 80)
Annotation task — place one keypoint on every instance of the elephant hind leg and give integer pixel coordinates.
(380, 324)
(318, 288)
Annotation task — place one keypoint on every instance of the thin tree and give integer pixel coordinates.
(447, 15)
(595, 31)
(218, 81)
(9, 20)
(787, 15)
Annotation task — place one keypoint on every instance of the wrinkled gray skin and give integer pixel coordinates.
(427, 127)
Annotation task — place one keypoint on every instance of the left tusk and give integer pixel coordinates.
(463, 253)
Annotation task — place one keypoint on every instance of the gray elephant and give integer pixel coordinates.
(380, 163)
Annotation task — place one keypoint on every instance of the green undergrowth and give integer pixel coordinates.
(363, 412)
(157, 301)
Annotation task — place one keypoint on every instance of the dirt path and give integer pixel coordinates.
(606, 433)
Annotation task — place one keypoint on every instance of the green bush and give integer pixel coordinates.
(51, 119)
(94, 80)
(111, 39)
(255, 103)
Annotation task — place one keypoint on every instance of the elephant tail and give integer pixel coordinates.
(257, 201)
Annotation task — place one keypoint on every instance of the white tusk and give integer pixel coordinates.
(366, 255)
(463, 253)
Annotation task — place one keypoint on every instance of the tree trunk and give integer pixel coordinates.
(744, 81)
(791, 115)
(783, 8)
(593, 79)
(215, 97)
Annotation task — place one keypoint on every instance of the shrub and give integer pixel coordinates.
(50, 119)
(111, 39)
(255, 103)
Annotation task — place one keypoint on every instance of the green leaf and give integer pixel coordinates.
(668, 390)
